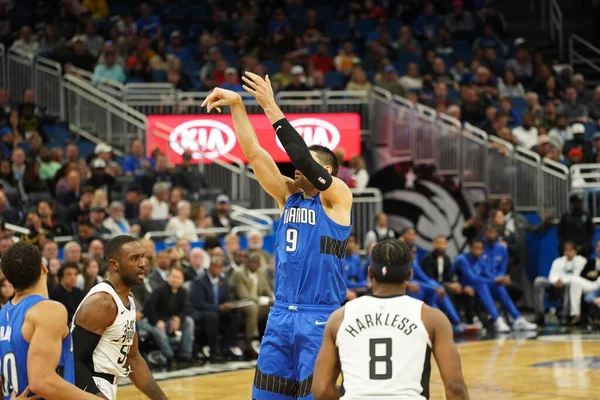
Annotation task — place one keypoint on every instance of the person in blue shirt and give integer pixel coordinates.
(496, 258)
(231, 81)
(176, 47)
(473, 271)
(35, 343)
(428, 24)
(137, 163)
(148, 23)
(354, 276)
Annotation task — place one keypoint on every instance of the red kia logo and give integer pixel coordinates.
(204, 138)
(316, 131)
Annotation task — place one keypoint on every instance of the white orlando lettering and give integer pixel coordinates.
(299, 215)
(5, 333)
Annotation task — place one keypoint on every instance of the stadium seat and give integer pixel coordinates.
(364, 27)
(519, 104)
(334, 79)
(85, 148)
(196, 30)
(170, 28)
(271, 67)
(159, 75)
(371, 76)
(590, 129)
(448, 59)
(463, 54)
(408, 57)
(337, 29)
(175, 13)
(394, 26)
(134, 79)
(460, 45)
(117, 8)
(296, 11)
(325, 12)
(198, 12)
(57, 133)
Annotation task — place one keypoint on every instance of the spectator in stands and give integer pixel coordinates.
(148, 23)
(158, 275)
(133, 197)
(283, 77)
(594, 107)
(160, 208)
(181, 225)
(513, 116)
(97, 215)
(49, 251)
(175, 197)
(509, 87)
(583, 97)
(571, 108)
(358, 81)
(79, 56)
(188, 176)
(146, 222)
(473, 108)
(6, 142)
(27, 42)
(37, 235)
(533, 107)
(116, 222)
(100, 179)
(591, 271)
(550, 92)
(489, 15)
(437, 265)
(86, 234)
(89, 276)
(96, 251)
(81, 209)
(561, 133)
(208, 304)
(231, 80)
(220, 215)
(579, 142)
(389, 81)
(576, 226)
(49, 164)
(53, 268)
(412, 80)
(176, 47)
(522, 66)
(98, 8)
(459, 22)
(527, 134)
(488, 125)
(136, 164)
(428, 24)
(8, 213)
(161, 173)
(166, 313)
(161, 60)
(197, 256)
(346, 60)
(409, 236)
(232, 244)
(247, 283)
(7, 177)
(71, 192)
(472, 273)
(381, 231)
(93, 41)
(559, 283)
(66, 293)
(353, 273)
(407, 42)
(51, 40)
(322, 61)
(439, 73)
(440, 99)
(109, 70)
(360, 176)
(473, 228)
(297, 84)
(255, 245)
(32, 183)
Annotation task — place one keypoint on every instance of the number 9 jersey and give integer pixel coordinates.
(309, 251)
(14, 348)
(384, 349)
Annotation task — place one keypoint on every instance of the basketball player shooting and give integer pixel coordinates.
(382, 343)
(35, 344)
(105, 343)
(310, 244)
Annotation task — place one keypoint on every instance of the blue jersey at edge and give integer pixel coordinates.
(14, 348)
(309, 253)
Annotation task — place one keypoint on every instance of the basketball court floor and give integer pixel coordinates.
(558, 364)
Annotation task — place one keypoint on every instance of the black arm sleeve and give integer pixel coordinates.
(84, 344)
(300, 156)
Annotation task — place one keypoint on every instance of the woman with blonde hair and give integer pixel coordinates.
(359, 172)
(358, 80)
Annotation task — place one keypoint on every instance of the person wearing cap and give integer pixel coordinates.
(390, 82)
(133, 197)
(473, 272)
(543, 146)
(6, 142)
(100, 179)
(297, 84)
(220, 216)
(231, 80)
(349, 344)
(188, 176)
(176, 47)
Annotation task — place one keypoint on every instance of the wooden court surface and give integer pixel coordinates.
(498, 369)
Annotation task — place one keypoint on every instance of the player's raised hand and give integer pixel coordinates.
(260, 88)
(219, 98)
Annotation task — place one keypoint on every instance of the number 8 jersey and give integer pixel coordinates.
(384, 349)
(110, 355)
(309, 250)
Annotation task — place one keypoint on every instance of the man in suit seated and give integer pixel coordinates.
(208, 305)
(196, 264)
(246, 283)
(158, 276)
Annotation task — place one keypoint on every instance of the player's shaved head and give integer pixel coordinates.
(21, 265)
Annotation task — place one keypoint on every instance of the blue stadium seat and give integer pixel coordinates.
(159, 75)
(364, 27)
(57, 133)
(448, 59)
(460, 45)
(452, 93)
(134, 79)
(401, 67)
(394, 26)
(408, 57)
(590, 129)
(271, 66)
(337, 29)
(175, 13)
(117, 8)
(464, 54)
(296, 11)
(52, 145)
(334, 79)
(196, 29)
(85, 148)
(191, 66)
(371, 76)
(170, 28)
(325, 12)
(198, 12)
(519, 104)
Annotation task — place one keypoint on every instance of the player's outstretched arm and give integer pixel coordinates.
(333, 190)
(446, 353)
(265, 169)
(140, 374)
(96, 313)
(327, 366)
(49, 322)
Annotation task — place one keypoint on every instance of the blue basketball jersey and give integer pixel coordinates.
(13, 348)
(309, 253)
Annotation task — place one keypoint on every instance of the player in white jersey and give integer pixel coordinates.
(105, 344)
(382, 343)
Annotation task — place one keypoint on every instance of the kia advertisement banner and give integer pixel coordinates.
(210, 137)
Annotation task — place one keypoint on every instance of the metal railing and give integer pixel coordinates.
(228, 174)
(92, 111)
(151, 98)
(366, 204)
(20, 66)
(576, 57)
(48, 80)
(556, 26)
(3, 81)
(585, 180)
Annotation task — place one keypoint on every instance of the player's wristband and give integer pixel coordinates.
(300, 155)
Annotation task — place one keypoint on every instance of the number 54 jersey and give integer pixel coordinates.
(110, 355)
(309, 250)
(384, 349)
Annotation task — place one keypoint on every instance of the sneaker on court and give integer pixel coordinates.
(236, 351)
(477, 323)
(521, 324)
(255, 344)
(472, 328)
(501, 326)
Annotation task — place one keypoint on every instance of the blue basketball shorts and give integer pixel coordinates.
(289, 350)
